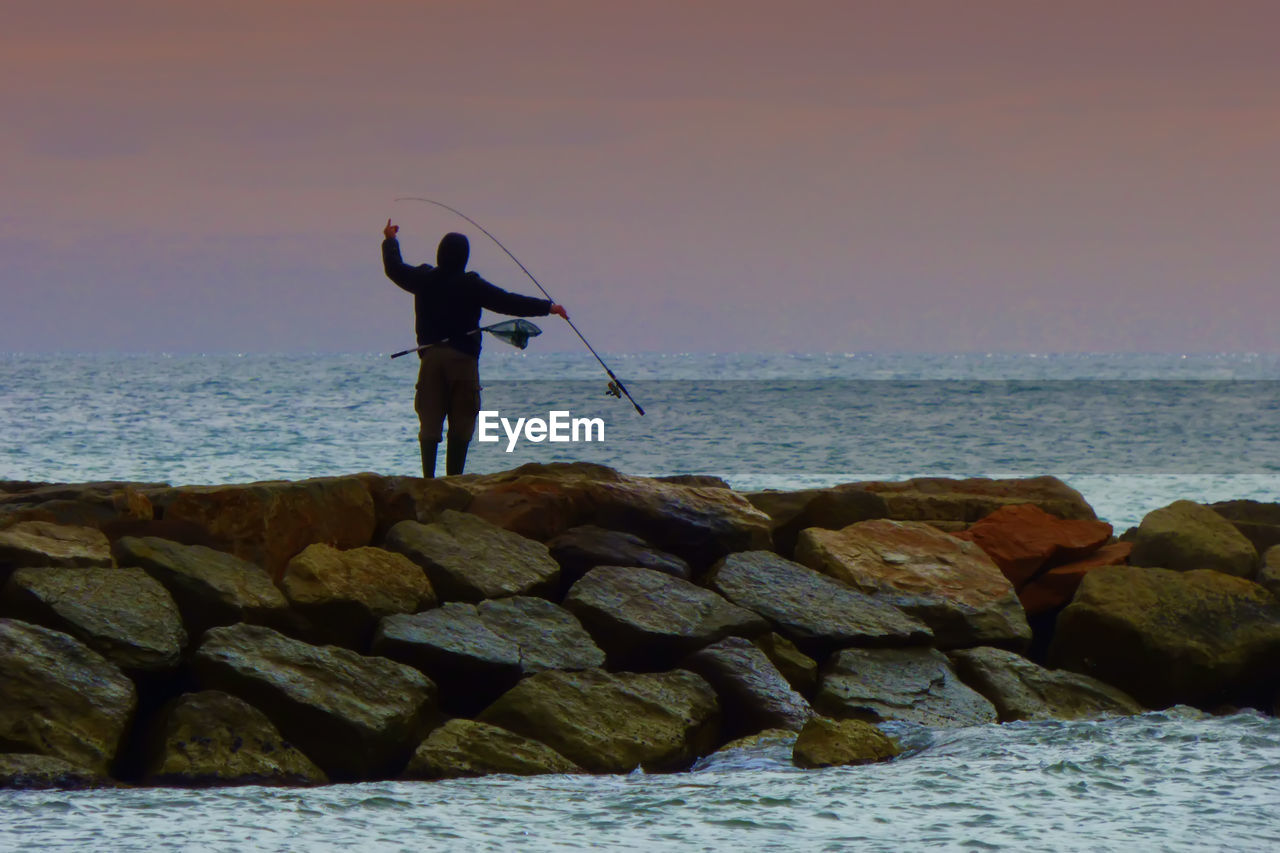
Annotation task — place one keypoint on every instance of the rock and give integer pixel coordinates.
(830, 743)
(40, 543)
(397, 499)
(817, 613)
(800, 670)
(914, 685)
(698, 523)
(268, 523)
(944, 499)
(647, 620)
(123, 614)
(343, 594)
(580, 549)
(753, 695)
(451, 644)
(703, 480)
(767, 739)
(1258, 521)
(950, 585)
(356, 717)
(1022, 690)
(613, 723)
(177, 531)
(60, 698)
(1269, 575)
(1165, 637)
(463, 748)
(78, 505)
(209, 587)
(28, 771)
(212, 738)
(1185, 536)
(468, 559)
(547, 635)
(830, 509)
(1023, 539)
(1056, 587)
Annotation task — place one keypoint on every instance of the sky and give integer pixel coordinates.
(693, 176)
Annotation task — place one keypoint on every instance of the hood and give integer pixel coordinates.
(453, 252)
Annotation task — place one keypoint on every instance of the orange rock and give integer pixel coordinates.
(1024, 539)
(1056, 587)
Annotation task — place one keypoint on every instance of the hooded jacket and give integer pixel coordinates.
(447, 299)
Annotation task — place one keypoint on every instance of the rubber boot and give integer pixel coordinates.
(428, 457)
(455, 456)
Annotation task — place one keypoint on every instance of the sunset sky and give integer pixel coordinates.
(894, 176)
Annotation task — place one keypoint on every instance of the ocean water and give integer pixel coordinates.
(1132, 433)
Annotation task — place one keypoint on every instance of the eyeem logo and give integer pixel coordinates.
(558, 427)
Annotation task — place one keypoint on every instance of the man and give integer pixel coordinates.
(447, 301)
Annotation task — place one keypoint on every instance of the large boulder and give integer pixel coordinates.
(645, 619)
(212, 738)
(950, 585)
(1185, 536)
(547, 635)
(831, 509)
(1166, 637)
(343, 594)
(800, 670)
(42, 543)
(825, 742)
(1053, 589)
(819, 614)
(469, 559)
(613, 723)
(580, 549)
(60, 698)
(29, 771)
(913, 685)
(698, 523)
(1022, 690)
(945, 499)
(397, 499)
(463, 748)
(268, 523)
(1023, 539)
(754, 695)
(1257, 520)
(209, 587)
(93, 505)
(356, 717)
(123, 614)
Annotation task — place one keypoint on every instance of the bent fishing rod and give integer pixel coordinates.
(616, 388)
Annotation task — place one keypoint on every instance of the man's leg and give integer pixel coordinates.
(429, 402)
(464, 406)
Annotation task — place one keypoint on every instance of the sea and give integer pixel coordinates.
(1131, 432)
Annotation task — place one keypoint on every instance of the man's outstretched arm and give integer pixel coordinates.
(514, 305)
(397, 270)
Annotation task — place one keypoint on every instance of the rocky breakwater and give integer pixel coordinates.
(573, 619)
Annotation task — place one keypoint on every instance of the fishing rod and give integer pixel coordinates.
(514, 332)
(616, 388)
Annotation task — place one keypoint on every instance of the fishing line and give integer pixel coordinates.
(616, 388)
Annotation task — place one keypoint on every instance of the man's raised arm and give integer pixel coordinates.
(397, 270)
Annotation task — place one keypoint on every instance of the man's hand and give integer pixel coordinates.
(559, 311)
(391, 230)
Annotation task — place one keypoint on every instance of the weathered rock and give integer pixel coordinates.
(1269, 575)
(397, 499)
(29, 771)
(914, 685)
(704, 480)
(1185, 536)
(343, 594)
(816, 612)
(78, 505)
(580, 549)
(60, 698)
(356, 717)
(1258, 521)
(268, 523)
(1023, 539)
(699, 524)
(830, 509)
(209, 587)
(177, 531)
(212, 738)
(471, 663)
(613, 723)
(1022, 690)
(825, 742)
(647, 620)
(547, 635)
(1056, 587)
(800, 670)
(123, 614)
(944, 499)
(462, 748)
(950, 585)
(1200, 637)
(41, 543)
(753, 694)
(469, 559)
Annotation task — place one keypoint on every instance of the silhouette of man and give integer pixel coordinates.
(447, 301)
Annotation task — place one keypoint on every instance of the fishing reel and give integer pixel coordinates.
(614, 389)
